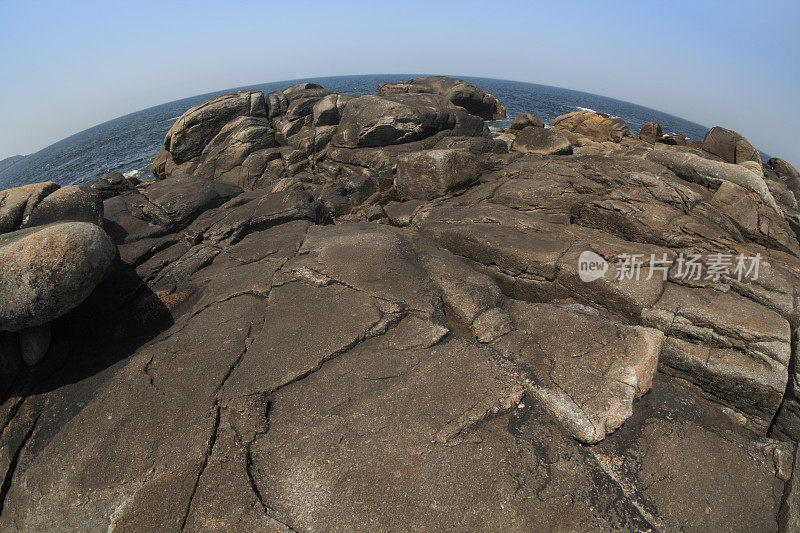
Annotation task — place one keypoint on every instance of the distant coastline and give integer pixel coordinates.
(10, 161)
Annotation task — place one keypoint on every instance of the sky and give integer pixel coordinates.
(66, 66)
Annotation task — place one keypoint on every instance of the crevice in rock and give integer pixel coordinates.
(209, 450)
(249, 467)
(790, 391)
(12, 467)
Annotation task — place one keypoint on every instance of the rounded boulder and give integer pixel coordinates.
(47, 270)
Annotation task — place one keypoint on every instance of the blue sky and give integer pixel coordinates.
(67, 66)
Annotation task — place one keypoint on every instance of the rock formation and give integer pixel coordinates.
(338, 312)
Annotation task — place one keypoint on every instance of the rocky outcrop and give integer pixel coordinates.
(429, 174)
(730, 146)
(371, 121)
(534, 140)
(523, 120)
(597, 126)
(473, 99)
(651, 132)
(692, 167)
(397, 319)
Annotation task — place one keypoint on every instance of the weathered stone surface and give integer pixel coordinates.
(585, 369)
(712, 173)
(46, 271)
(730, 146)
(17, 204)
(429, 174)
(740, 357)
(651, 132)
(535, 140)
(789, 517)
(523, 120)
(215, 137)
(67, 203)
(461, 93)
(596, 126)
(370, 121)
(438, 363)
(111, 185)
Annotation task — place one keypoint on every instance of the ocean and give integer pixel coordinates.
(128, 144)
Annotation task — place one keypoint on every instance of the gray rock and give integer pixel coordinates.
(17, 203)
(195, 130)
(523, 120)
(542, 141)
(651, 132)
(34, 343)
(730, 146)
(370, 121)
(70, 203)
(48, 270)
(698, 169)
(111, 185)
(789, 517)
(183, 198)
(428, 174)
(475, 100)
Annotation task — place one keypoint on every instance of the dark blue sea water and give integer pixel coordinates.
(128, 144)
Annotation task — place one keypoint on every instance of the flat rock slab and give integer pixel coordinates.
(585, 369)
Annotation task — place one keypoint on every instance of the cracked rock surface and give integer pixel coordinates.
(290, 340)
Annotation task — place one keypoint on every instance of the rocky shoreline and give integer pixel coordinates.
(341, 312)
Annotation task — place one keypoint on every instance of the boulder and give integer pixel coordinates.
(710, 173)
(730, 146)
(651, 132)
(111, 185)
(34, 343)
(675, 139)
(208, 125)
(17, 203)
(372, 121)
(428, 174)
(183, 198)
(788, 174)
(740, 358)
(597, 126)
(73, 202)
(46, 271)
(783, 168)
(542, 141)
(461, 93)
(523, 120)
(225, 155)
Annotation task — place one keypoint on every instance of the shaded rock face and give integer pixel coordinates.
(473, 99)
(403, 336)
(730, 146)
(523, 120)
(651, 132)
